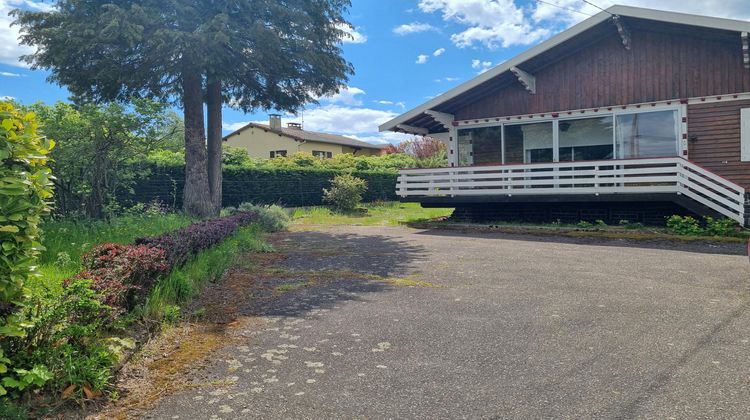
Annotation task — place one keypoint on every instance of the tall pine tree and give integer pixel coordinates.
(249, 54)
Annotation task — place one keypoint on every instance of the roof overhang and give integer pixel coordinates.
(617, 10)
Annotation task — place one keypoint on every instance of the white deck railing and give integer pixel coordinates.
(627, 176)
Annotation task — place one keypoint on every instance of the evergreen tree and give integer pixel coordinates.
(249, 54)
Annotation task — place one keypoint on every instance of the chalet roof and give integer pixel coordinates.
(314, 136)
(530, 58)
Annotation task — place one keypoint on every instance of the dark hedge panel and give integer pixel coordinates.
(288, 187)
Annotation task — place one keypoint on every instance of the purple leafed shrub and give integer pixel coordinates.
(122, 274)
(180, 244)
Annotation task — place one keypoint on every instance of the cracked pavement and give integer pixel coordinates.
(501, 327)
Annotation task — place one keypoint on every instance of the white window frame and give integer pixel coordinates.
(745, 134)
(678, 109)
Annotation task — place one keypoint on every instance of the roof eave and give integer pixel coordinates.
(627, 11)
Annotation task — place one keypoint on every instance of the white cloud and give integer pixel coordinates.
(504, 23)
(384, 138)
(412, 28)
(9, 74)
(422, 58)
(447, 79)
(398, 104)
(353, 36)
(480, 65)
(493, 23)
(347, 95)
(10, 50)
(438, 52)
(227, 126)
(7, 98)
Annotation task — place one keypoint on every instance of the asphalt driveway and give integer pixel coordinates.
(493, 328)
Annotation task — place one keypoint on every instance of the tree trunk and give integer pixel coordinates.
(213, 102)
(197, 198)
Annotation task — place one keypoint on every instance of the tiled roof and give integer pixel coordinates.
(304, 135)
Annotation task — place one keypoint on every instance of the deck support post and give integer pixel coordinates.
(623, 31)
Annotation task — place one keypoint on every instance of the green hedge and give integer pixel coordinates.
(287, 187)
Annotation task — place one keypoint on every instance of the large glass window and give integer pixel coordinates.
(479, 146)
(528, 143)
(646, 134)
(585, 139)
(618, 136)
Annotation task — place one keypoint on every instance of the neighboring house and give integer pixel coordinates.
(269, 141)
(632, 114)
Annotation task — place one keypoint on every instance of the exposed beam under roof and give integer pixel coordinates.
(623, 11)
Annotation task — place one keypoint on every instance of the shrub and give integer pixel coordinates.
(121, 274)
(64, 344)
(271, 218)
(585, 225)
(25, 189)
(683, 225)
(345, 193)
(720, 227)
(180, 244)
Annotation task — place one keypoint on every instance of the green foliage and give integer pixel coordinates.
(63, 343)
(96, 147)
(185, 282)
(236, 156)
(271, 218)
(25, 191)
(143, 38)
(345, 193)
(378, 214)
(720, 227)
(683, 225)
(584, 224)
(289, 187)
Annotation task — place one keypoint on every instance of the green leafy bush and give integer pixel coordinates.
(345, 193)
(585, 225)
(272, 218)
(25, 191)
(683, 225)
(64, 344)
(720, 227)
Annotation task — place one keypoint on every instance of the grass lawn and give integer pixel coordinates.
(377, 214)
(67, 241)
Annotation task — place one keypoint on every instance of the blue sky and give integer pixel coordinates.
(403, 51)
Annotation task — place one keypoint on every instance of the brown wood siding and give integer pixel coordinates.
(659, 66)
(714, 130)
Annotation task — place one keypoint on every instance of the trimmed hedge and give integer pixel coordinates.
(287, 187)
(124, 274)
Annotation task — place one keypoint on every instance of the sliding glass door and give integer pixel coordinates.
(586, 139)
(616, 135)
(646, 134)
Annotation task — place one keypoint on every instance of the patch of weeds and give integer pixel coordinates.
(584, 224)
(290, 287)
(407, 282)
